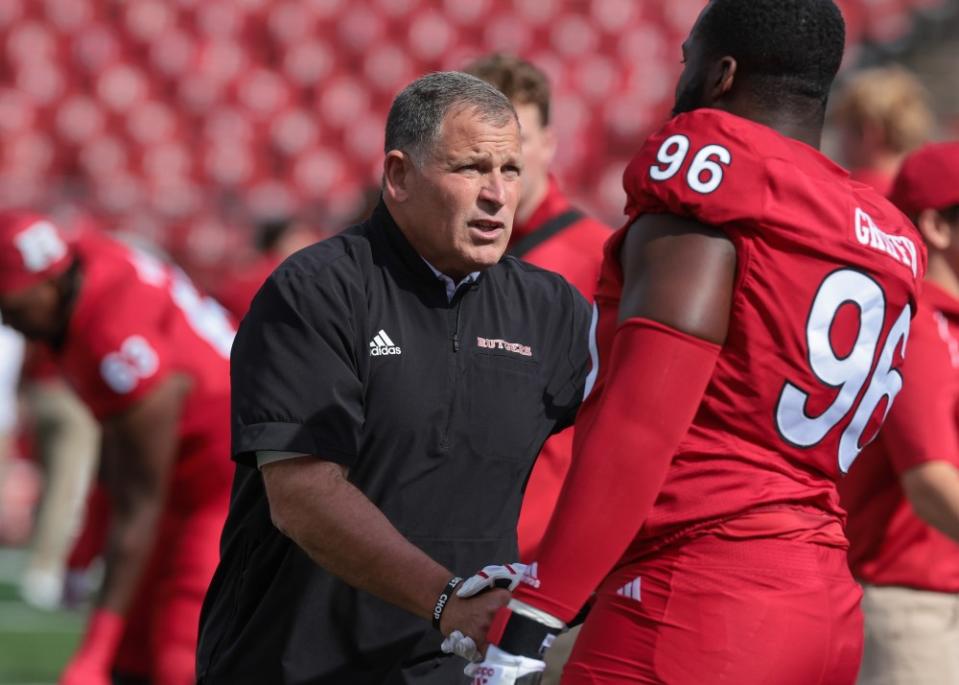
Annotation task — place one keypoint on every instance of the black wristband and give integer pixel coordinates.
(443, 599)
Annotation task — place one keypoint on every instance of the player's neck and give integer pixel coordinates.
(803, 122)
(940, 273)
(810, 134)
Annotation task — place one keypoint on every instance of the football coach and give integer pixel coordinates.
(392, 387)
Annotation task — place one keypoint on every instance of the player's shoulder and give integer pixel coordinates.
(713, 126)
(706, 165)
(715, 122)
(115, 284)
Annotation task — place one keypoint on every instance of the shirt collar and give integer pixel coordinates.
(449, 283)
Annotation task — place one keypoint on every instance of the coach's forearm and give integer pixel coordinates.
(933, 491)
(312, 503)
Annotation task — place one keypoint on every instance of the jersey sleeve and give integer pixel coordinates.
(699, 166)
(129, 355)
(921, 426)
(294, 377)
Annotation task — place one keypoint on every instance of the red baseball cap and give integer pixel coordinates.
(928, 179)
(32, 249)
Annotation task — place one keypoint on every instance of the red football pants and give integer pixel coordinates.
(160, 638)
(748, 612)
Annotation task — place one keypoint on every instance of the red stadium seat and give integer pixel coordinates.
(163, 107)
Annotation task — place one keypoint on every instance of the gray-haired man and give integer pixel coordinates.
(391, 389)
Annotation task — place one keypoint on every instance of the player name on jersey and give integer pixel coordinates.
(899, 247)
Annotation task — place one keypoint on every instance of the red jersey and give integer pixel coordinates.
(135, 321)
(888, 543)
(576, 253)
(827, 274)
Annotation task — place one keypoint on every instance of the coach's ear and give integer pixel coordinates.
(397, 168)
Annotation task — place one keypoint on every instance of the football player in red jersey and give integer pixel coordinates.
(751, 320)
(150, 356)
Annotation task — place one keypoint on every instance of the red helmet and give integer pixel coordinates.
(32, 249)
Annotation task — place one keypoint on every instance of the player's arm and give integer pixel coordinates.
(140, 451)
(674, 315)
(313, 503)
(140, 446)
(932, 489)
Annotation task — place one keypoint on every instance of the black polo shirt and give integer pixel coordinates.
(353, 351)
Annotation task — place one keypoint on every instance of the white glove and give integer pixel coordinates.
(462, 646)
(503, 668)
(506, 577)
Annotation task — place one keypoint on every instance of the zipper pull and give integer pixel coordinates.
(456, 342)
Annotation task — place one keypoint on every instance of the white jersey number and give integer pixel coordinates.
(135, 360)
(706, 170)
(848, 374)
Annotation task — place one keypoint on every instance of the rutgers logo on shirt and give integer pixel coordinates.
(123, 369)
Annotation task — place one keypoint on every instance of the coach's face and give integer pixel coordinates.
(457, 204)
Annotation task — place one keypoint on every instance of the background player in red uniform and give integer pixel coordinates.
(751, 321)
(903, 493)
(149, 356)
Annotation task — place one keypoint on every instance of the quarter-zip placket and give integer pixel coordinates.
(453, 359)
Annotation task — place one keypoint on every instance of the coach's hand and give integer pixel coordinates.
(505, 577)
(472, 619)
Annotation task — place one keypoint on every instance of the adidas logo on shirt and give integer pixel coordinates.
(381, 345)
(631, 590)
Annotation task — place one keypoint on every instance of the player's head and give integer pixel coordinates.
(451, 177)
(927, 191)
(881, 112)
(528, 89)
(765, 55)
(35, 261)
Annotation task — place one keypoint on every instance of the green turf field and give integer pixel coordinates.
(34, 645)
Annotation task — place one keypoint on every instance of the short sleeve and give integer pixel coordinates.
(921, 426)
(700, 166)
(565, 390)
(293, 370)
(129, 355)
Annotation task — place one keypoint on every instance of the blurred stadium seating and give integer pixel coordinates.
(180, 119)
